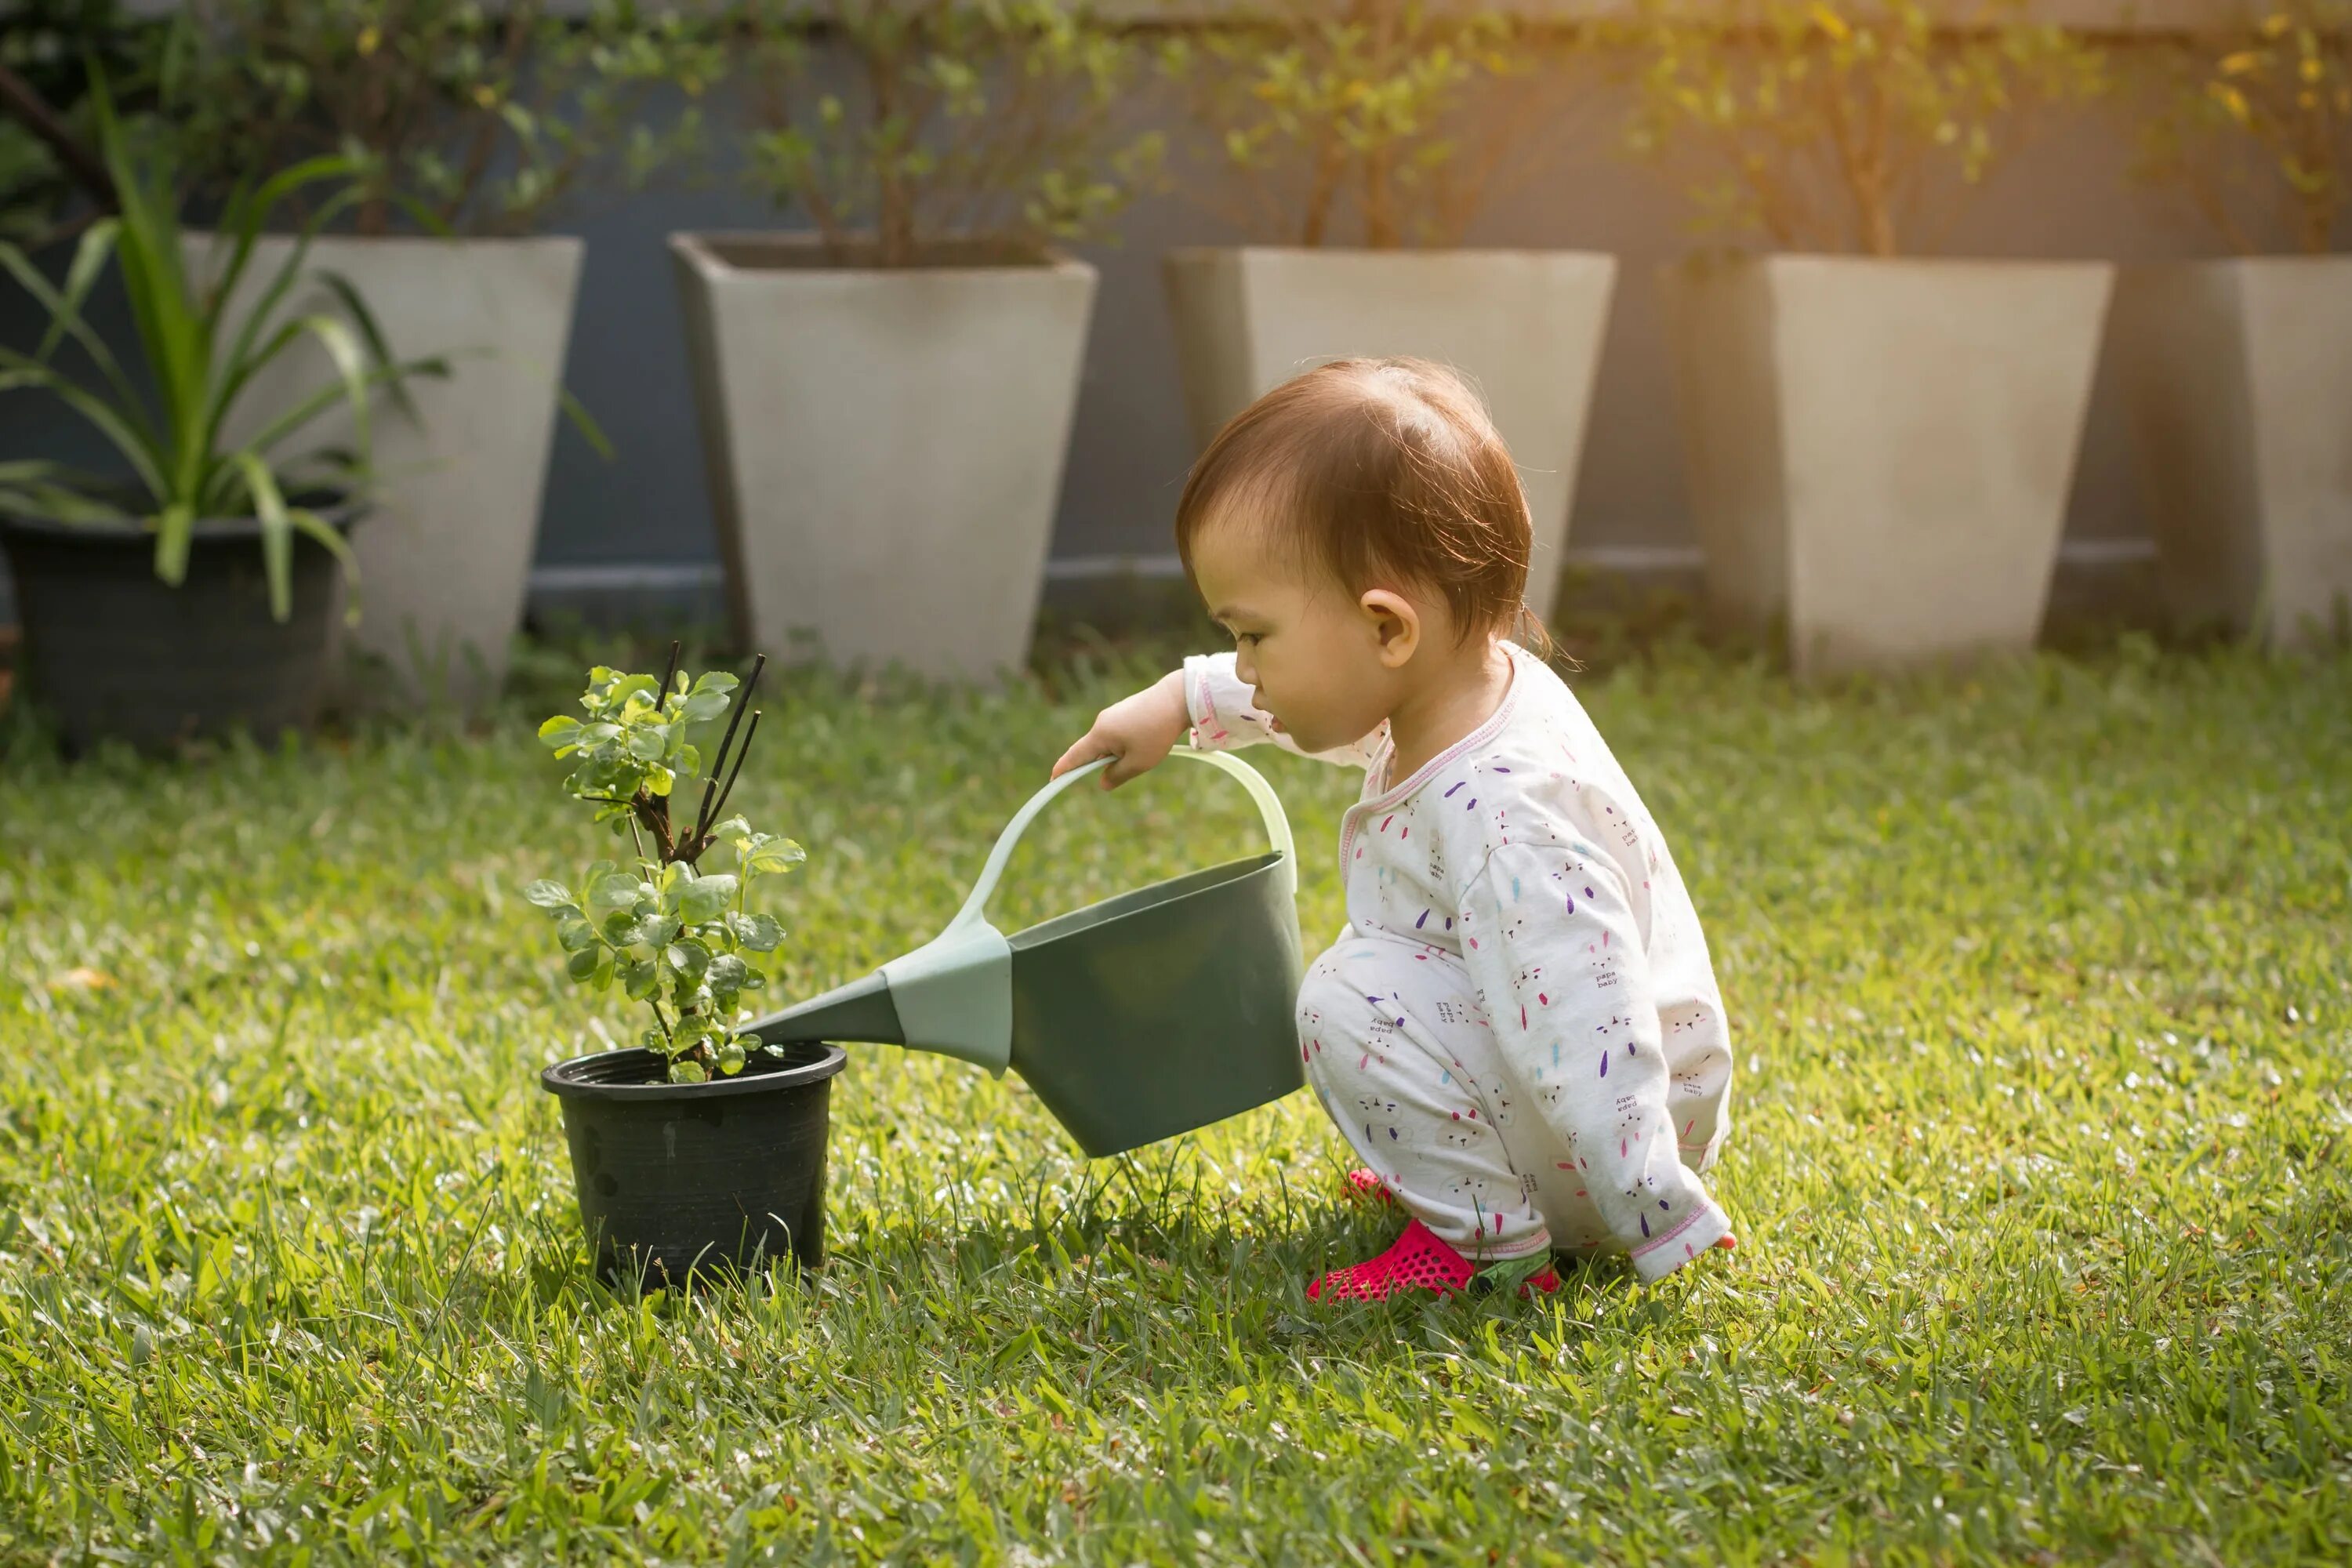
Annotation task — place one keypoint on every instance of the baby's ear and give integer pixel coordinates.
(1395, 625)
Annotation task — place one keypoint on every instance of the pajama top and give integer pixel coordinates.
(1523, 853)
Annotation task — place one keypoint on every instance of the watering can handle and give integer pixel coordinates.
(1270, 810)
(954, 994)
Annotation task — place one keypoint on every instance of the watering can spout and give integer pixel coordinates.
(860, 1011)
(952, 997)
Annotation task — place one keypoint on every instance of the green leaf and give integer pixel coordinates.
(685, 1070)
(654, 931)
(776, 855)
(574, 934)
(585, 423)
(583, 964)
(549, 894)
(761, 933)
(562, 734)
(276, 531)
(707, 898)
(727, 975)
(642, 977)
(618, 891)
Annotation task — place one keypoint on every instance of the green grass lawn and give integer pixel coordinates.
(2042, 986)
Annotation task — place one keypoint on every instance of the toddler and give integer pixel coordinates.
(1520, 1030)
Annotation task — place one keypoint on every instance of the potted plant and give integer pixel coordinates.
(886, 399)
(2236, 372)
(703, 1146)
(1364, 138)
(472, 124)
(1880, 445)
(195, 595)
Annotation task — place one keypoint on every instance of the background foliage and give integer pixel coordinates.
(1831, 125)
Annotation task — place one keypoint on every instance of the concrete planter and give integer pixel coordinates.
(1525, 325)
(2238, 378)
(1880, 452)
(444, 561)
(884, 446)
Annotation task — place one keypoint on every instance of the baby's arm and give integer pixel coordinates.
(1203, 697)
(1551, 942)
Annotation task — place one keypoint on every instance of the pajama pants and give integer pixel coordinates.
(1406, 1066)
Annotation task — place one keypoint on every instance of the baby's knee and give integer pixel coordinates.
(1327, 994)
(1336, 1023)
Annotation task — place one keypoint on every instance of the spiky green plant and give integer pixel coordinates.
(173, 429)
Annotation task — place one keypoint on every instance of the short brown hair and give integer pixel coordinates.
(1374, 468)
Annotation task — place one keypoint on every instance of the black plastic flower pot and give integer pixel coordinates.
(683, 1179)
(112, 652)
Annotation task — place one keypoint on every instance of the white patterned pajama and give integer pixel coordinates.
(1520, 1031)
(1413, 1073)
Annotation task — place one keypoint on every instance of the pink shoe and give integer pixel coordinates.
(1416, 1260)
(1362, 1183)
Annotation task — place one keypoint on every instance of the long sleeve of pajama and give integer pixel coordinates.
(1520, 1030)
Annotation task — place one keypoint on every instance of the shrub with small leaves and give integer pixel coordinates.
(1005, 124)
(462, 117)
(2254, 123)
(681, 940)
(1836, 125)
(1405, 118)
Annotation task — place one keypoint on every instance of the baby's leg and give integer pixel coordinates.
(1396, 1046)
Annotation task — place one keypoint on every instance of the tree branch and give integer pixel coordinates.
(19, 98)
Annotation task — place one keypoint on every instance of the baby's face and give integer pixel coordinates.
(1310, 652)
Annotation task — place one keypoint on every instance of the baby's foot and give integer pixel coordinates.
(1418, 1260)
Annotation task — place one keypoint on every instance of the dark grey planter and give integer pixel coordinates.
(679, 1179)
(112, 652)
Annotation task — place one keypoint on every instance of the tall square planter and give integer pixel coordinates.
(1880, 452)
(884, 446)
(1526, 326)
(445, 561)
(2237, 376)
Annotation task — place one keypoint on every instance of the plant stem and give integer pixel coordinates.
(653, 812)
(742, 752)
(708, 818)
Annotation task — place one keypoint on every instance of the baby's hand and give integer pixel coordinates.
(1138, 731)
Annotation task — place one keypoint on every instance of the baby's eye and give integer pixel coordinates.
(1248, 637)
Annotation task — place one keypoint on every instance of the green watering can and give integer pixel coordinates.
(1135, 1019)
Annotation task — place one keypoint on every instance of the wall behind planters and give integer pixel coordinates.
(637, 532)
